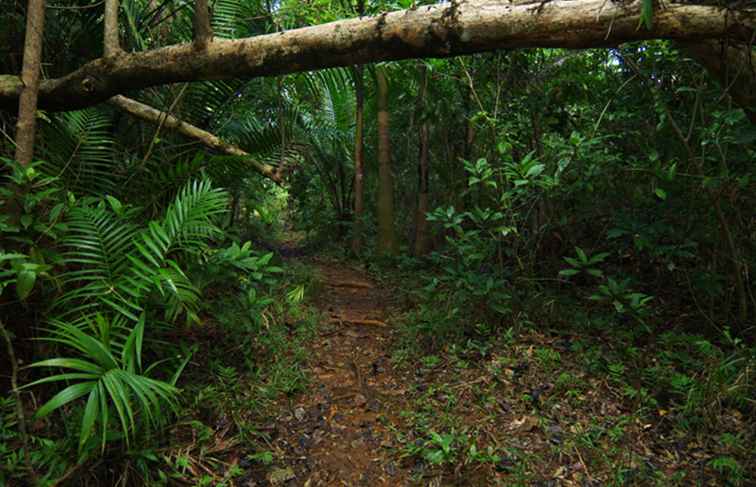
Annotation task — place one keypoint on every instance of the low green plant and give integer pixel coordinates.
(108, 370)
(548, 357)
(624, 300)
(122, 266)
(33, 207)
(583, 263)
(729, 469)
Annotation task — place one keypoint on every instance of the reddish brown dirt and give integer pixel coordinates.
(338, 433)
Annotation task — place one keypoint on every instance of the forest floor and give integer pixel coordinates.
(531, 406)
(339, 431)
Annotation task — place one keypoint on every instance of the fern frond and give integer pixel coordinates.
(116, 264)
(186, 228)
(80, 149)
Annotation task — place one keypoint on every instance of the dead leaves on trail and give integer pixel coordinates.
(339, 433)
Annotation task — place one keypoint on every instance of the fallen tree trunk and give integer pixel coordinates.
(150, 114)
(429, 31)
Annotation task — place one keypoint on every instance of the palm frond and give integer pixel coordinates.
(110, 376)
(115, 263)
(80, 149)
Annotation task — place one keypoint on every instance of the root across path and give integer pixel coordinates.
(338, 433)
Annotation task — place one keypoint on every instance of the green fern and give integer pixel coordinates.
(119, 265)
(79, 148)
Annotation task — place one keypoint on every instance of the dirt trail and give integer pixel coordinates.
(337, 433)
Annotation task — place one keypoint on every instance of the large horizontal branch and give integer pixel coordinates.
(150, 114)
(430, 31)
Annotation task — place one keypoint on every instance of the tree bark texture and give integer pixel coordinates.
(203, 31)
(152, 115)
(27, 101)
(422, 240)
(112, 44)
(429, 31)
(386, 233)
(359, 158)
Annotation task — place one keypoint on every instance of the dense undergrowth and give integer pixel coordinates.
(546, 396)
(537, 382)
(574, 241)
(172, 339)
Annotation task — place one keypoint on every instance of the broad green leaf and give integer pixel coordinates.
(115, 205)
(70, 363)
(70, 393)
(535, 170)
(25, 283)
(26, 220)
(581, 255)
(90, 417)
(595, 272)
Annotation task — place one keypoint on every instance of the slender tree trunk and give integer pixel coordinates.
(203, 31)
(358, 186)
(27, 106)
(359, 158)
(112, 43)
(386, 234)
(421, 223)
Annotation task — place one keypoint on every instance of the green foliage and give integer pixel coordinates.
(32, 213)
(108, 369)
(80, 150)
(632, 158)
(222, 266)
(122, 264)
(584, 264)
(624, 300)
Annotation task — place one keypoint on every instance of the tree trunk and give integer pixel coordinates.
(440, 30)
(203, 31)
(112, 45)
(359, 158)
(27, 103)
(421, 223)
(386, 233)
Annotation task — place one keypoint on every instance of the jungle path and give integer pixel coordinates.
(338, 432)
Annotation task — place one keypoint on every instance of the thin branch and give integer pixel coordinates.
(153, 115)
